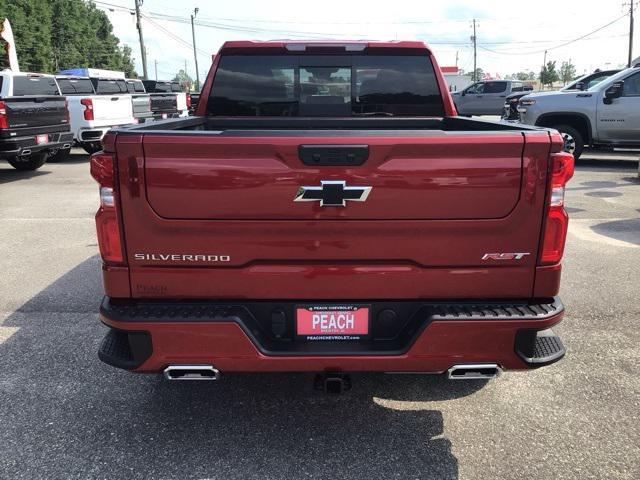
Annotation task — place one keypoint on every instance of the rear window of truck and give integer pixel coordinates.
(34, 85)
(107, 87)
(75, 86)
(325, 85)
(135, 86)
(166, 87)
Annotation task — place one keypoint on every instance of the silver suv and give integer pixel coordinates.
(486, 98)
(607, 114)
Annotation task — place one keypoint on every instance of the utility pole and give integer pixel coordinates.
(544, 65)
(630, 33)
(456, 58)
(475, 52)
(195, 54)
(155, 64)
(142, 49)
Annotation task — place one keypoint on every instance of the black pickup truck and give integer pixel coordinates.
(34, 120)
(167, 98)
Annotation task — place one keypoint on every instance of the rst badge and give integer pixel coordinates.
(332, 193)
(505, 256)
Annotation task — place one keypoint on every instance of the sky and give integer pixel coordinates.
(510, 39)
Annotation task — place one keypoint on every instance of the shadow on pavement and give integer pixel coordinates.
(627, 230)
(594, 164)
(77, 156)
(10, 174)
(66, 415)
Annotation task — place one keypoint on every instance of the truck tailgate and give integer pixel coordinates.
(163, 102)
(35, 111)
(220, 210)
(112, 109)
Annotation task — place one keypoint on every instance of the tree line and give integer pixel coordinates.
(51, 35)
(550, 73)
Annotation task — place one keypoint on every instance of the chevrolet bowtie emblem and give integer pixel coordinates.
(332, 193)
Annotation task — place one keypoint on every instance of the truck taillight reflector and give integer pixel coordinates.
(188, 100)
(107, 221)
(102, 169)
(88, 108)
(557, 220)
(4, 120)
(109, 239)
(66, 110)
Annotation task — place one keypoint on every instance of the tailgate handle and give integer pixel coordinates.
(114, 99)
(333, 155)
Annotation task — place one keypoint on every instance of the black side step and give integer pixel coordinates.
(538, 348)
(127, 350)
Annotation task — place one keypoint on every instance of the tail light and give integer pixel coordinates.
(556, 220)
(66, 110)
(188, 100)
(4, 120)
(88, 108)
(107, 221)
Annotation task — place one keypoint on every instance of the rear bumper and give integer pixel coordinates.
(429, 337)
(28, 144)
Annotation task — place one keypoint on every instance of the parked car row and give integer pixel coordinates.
(601, 109)
(510, 111)
(487, 97)
(42, 116)
(604, 115)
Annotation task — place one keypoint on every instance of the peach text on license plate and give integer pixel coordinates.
(332, 320)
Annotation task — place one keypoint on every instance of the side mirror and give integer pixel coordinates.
(581, 86)
(463, 93)
(614, 91)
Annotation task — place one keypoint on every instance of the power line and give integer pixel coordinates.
(560, 45)
(311, 34)
(182, 41)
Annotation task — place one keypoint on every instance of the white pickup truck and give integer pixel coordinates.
(95, 105)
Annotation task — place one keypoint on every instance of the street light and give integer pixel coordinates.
(195, 54)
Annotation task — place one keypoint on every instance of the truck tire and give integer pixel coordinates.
(573, 141)
(59, 155)
(91, 147)
(26, 164)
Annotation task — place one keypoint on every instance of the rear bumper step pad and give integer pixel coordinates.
(538, 348)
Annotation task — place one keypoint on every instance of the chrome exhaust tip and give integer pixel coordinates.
(191, 372)
(479, 371)
(25, 152)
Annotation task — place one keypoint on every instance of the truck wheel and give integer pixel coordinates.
(59, 155)
(573, 141)
(32, 162)
(91, 147)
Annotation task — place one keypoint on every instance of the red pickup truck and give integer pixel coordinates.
(327, 211)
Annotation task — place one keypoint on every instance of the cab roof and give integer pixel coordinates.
(322, 45)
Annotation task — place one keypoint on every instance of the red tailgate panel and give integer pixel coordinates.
(333, 255)
(449, 176)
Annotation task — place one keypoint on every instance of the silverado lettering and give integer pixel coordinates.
(181, 257)
(417, 278)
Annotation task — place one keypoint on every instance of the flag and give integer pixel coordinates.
(11, 57)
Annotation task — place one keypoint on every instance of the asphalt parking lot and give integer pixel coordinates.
(64, 414)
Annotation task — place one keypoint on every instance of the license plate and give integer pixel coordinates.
(332, 322)
(164, 116)
(40, 139)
